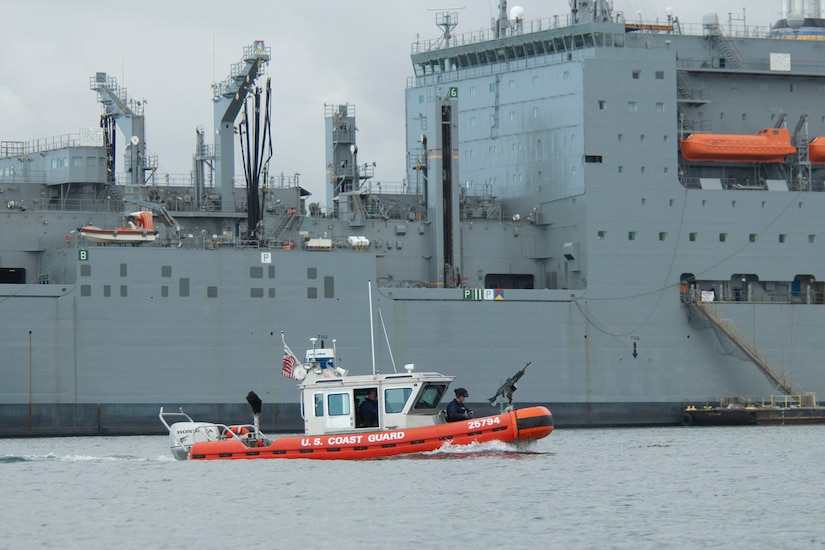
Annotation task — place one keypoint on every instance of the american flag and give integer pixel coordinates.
(289, 364)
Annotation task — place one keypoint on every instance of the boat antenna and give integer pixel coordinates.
(372, 332)
(387, 339)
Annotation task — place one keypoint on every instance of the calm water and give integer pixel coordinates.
(745, 487)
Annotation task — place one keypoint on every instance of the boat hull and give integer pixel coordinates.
(521, 425)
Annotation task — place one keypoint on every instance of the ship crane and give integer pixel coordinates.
(229, 97)
(127, 113)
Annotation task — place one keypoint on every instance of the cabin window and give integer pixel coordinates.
(812, 239)
(319, 404)
(636, 74)
(601, 235)
(430, 396)
(107, 291)
(660, 107)
(338, 404)
(752, 237)
(660, 75)
(782, 237)
(692, 237)
(632, 106)
(395, 399)
(256, 272)
(602, 105)
(663, 235)
(723, 237)
(631, 236)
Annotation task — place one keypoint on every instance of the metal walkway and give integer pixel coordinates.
(710, 312)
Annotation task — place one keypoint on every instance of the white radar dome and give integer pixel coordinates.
(517, 13)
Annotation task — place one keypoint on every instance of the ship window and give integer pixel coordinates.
(643, 169)
(601, 235)
(312, 293)
(602, 105)
(271, 271)
(256, 272)
(338, 404)
(85, 270)
(122, 270)
(666, 170)
(692, 237)
(166, 271)
(164, 291)
(631, 106)
(642, 138)
(473, 122)
(183, 288)
(211, 292)
(91, 161)
(107, 290)
(812, 239)
(77, 161)
(421, 98)
(511, 84)
(723, 237)
(744, 116)
(123, 291)
(663, 235)
(472, 91)
(621, 169)
(430, 396)
(535, 80)
(329, 287)
(319, 404)
(782, 237)
(636, 74)
(85, 290)
(752, 237)
(271, 293)
(492, 87)
(535, 112)
(593, 158)
(660, 75)
(312, 273)
(631, 236)
(660, 107)
(395, 399)
(620, 137)
(256, 293)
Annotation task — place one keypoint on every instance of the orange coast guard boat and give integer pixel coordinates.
(769, 145)
(139, 230)
(409, 420)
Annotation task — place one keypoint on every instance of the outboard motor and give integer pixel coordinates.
(182, 435)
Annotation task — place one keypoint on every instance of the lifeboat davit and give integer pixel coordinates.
(769, 145)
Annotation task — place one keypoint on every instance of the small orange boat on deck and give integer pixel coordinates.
(816, 150)
(408, 421)
(769, 145)
(139, 229)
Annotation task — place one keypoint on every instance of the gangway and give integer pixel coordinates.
(712, 314)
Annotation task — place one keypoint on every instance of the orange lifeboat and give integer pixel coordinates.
(816, 150)
(769, 145)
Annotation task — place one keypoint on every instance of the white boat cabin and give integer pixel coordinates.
(333, 402)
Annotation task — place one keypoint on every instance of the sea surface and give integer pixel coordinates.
(699, 487)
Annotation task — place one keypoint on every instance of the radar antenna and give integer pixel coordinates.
(446, 19)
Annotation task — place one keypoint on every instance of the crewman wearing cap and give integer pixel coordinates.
(456, 410)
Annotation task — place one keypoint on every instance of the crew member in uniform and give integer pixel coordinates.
(456, 410)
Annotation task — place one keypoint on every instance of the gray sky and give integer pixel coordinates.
(323, 51)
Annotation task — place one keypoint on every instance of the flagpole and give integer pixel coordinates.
(372, 334)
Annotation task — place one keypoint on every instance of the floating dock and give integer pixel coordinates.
(783, 409)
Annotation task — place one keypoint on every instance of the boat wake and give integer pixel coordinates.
(51, 457)
(482, 450)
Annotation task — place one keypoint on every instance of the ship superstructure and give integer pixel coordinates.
(549, 215)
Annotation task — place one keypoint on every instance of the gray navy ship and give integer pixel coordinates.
(634, 207)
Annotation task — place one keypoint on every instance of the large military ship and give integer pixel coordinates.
(635, 207)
